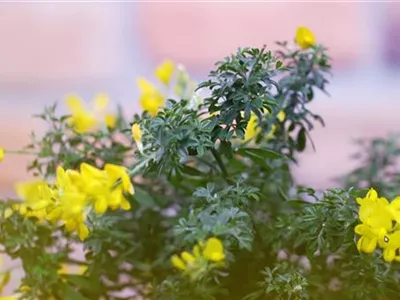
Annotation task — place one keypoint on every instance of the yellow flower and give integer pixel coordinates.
(188, 258)
(101, 102)
(120, 183)
(150, 98)
(66, 269)
(38, 197)
(137, 136)
(214, 250)
(281, 116)
(82, 120)
(63, 269)
(8, 213)
(394, 208)
(197, 251)
(305, 38)
(252, 129)
(94, 183)
(370, 237)
(164, 72)
(390, 246)
(110, 120)
(375, 211)
(205, 256)
(73, 213)
(74, 195)
(119, 173)
(1, 154)
(177, 262)
(106, 187)
(376, 215)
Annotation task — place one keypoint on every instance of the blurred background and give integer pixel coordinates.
(51, 49)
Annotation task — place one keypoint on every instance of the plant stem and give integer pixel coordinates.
(220, 163)
(20, 152)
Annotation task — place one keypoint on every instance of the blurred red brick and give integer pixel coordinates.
(198, 34)
(43, 42)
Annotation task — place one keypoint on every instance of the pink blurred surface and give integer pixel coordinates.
(206, 32)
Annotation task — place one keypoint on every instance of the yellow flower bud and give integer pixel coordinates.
(8, 213)
(164, 72)
(214, 250)
(177, 262)
(305, 38)
(188, 258)
(110, 120)
(1, 154)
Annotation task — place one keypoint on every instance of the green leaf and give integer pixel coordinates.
(192, 171)
(82, 282)
(261, 153)
(226, 149)
(69, 293)
(278, 64)
(143, 198)
(301, 140)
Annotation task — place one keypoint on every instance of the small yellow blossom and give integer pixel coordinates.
(377, 228)
(101, 102)
(137, 136)
(82, 120)
(106, 187)
(37, 196)
(165, 71)
(390, 246)
(1, 154)
(374, 211)
(394, 208)
(177, 262)
(74, 194)
(110, 120)
(252, 129)
(85, 120)
(305, 38)
(150, 98)
(66, 269)
(73, 215)
(370, 237)
(204, 257)
(214, 250)
(136, 132)
(281, 116)
(120, 183)
(8, 212)
(188, 258)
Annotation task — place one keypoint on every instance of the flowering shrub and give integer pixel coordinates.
(194, 198)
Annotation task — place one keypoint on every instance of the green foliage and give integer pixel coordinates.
(61, 145)
(377, 159)
(196, 178)
(281, 283)
(241, 84)
(221, 214)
